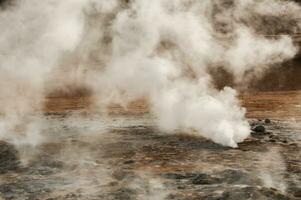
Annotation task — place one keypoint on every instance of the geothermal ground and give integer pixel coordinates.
(124, 156)
(62, 62)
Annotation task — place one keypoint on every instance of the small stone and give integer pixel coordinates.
(259, 129)
(181, 187)
(267, 121)
(174, 176)
(284, 141)
(127, 162)
(204, 179)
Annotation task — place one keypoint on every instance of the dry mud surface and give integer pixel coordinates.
(124, 156)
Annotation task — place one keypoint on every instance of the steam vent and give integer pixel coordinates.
(150, 100)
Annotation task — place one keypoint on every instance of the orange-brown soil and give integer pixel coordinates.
(275, 105)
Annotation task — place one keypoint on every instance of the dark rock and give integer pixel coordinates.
(217, 196)
(204, 179)
(178, 176)
(259, 129)
(181, 187)
(124, 193)
(9, 157)
(174, 176)
(284, 141)
(5, 3)
(267, 121)
(274, 138)
(72, 196)
(272, 193)
(128, 162)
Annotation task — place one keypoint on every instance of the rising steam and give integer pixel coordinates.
(159, 50)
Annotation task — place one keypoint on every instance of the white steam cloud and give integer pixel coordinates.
(33, 36)
(159, 50)
(273, 164)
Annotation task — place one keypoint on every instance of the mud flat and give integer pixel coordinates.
(124, 156)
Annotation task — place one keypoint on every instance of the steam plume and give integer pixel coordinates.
(160, 50)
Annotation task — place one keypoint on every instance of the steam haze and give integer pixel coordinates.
(160, 50)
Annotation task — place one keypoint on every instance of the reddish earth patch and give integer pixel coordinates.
(276, 105)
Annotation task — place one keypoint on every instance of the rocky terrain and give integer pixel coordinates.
(64, 147)
(126, 157)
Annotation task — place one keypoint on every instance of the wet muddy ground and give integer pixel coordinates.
(124, 156)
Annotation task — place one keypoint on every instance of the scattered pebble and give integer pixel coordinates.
(259, 129)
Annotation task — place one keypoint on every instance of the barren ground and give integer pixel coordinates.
(124, 156)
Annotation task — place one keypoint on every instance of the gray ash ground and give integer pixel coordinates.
(127, 158)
